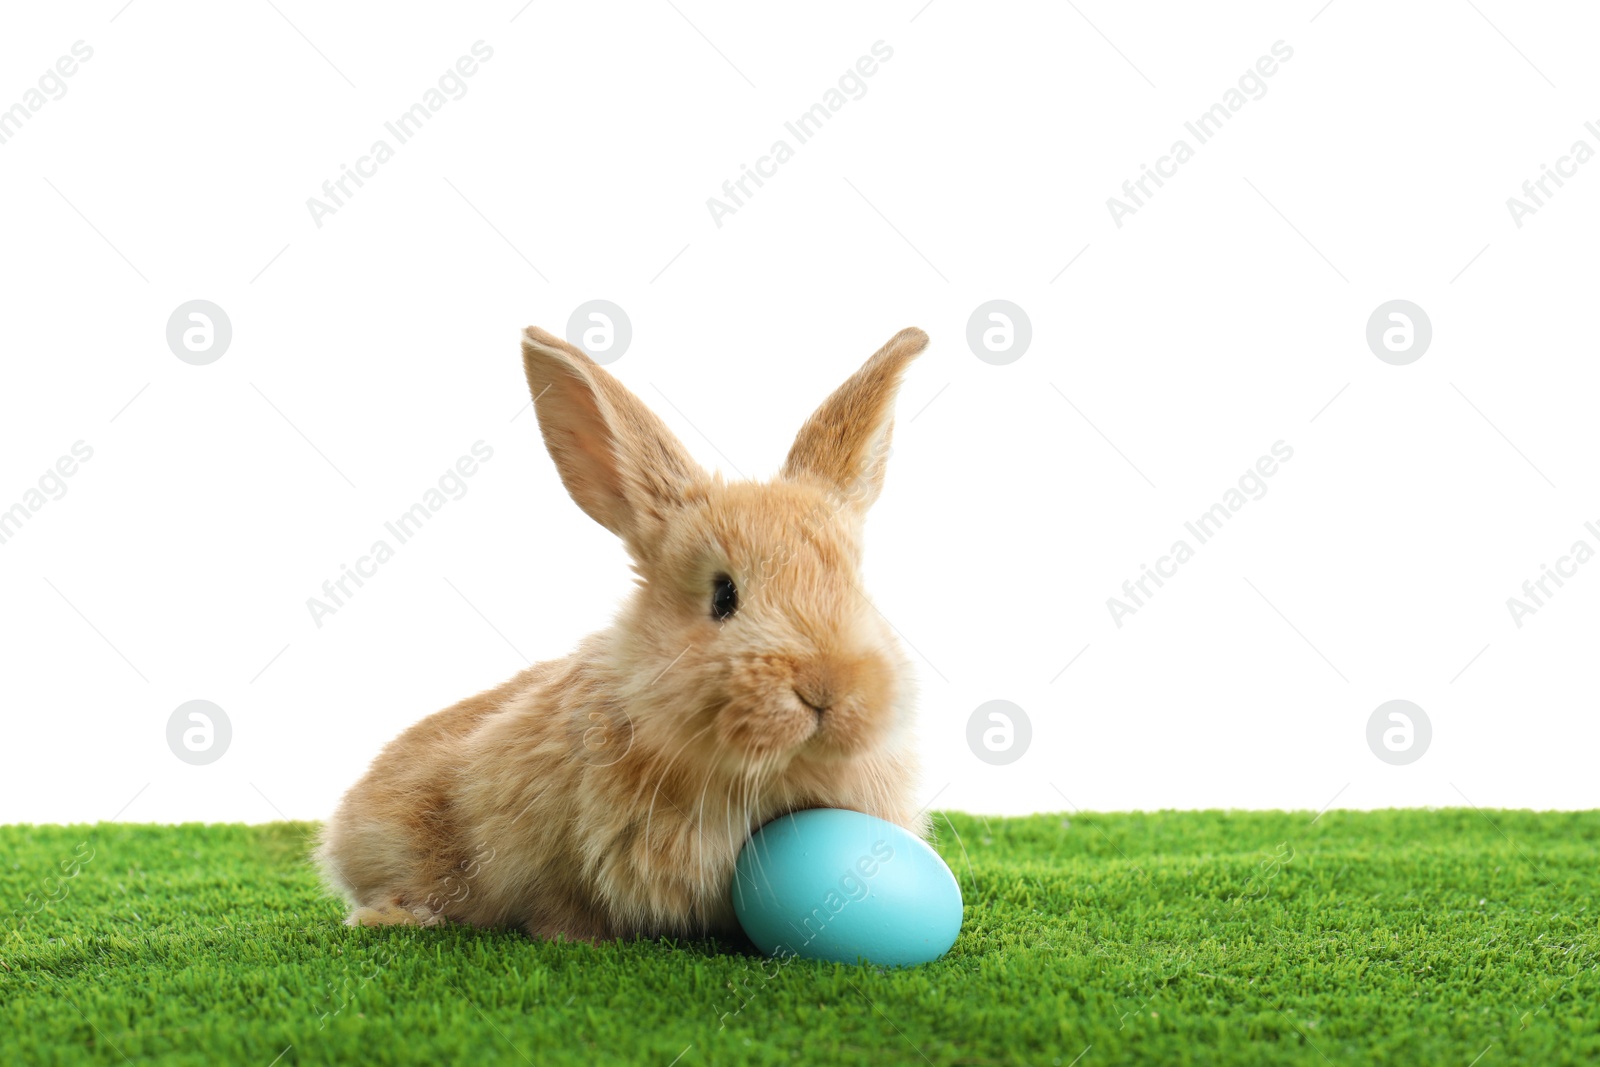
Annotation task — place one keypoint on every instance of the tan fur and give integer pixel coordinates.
(607, 794)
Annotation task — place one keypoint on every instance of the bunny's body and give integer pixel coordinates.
(608, 794)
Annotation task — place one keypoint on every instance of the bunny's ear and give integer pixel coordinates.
(845, 443)
(617, 459)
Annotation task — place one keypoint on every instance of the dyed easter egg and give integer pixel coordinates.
(838, 885)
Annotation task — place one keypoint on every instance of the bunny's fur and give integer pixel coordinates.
(607, 794)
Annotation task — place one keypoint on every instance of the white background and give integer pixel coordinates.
(1227, 314)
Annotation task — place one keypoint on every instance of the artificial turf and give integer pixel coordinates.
(1396, 937)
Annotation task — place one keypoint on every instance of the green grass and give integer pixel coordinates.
(1398, 937)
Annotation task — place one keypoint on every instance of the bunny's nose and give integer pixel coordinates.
(820, 684)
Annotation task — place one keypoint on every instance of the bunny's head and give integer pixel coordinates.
(749, 642)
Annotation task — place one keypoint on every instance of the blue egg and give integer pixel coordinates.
(828, 884)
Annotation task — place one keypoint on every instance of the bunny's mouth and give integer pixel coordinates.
(800, 715)
(836, 732)
(819, 711)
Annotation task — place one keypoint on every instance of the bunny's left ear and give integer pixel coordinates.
(845, 443)
(617, 459)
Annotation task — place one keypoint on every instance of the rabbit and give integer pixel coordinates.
(607, 795)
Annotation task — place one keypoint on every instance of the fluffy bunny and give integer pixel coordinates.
(607, 794)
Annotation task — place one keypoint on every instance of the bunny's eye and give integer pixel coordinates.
(724, 598)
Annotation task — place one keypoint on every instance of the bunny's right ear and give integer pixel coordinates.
(617, 459)
(845, 443)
